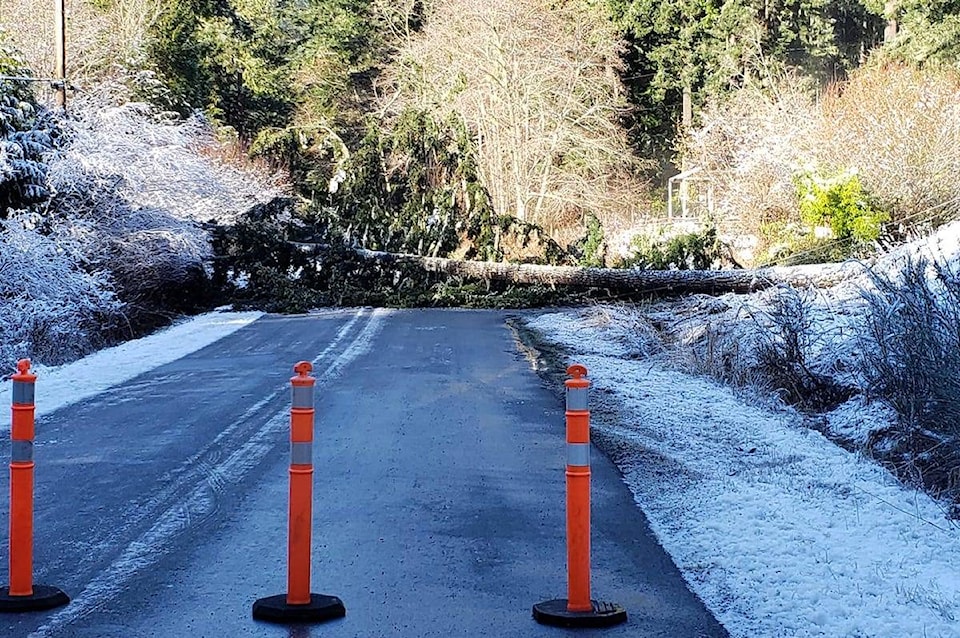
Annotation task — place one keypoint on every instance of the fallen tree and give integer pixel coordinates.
(615, 280)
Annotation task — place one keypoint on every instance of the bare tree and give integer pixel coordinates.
(98, 37)
(537, 82)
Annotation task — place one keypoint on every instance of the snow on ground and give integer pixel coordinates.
(778, 530)
(62, 385)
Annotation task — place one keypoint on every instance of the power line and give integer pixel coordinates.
(23, 78)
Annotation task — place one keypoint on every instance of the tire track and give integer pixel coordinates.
(203, 477)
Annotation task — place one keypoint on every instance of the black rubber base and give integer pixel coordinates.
(43, 597)
(554, 612)
(320, 608)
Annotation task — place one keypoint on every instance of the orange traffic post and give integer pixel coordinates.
(298, 604)
(22, 594)
(578, 609)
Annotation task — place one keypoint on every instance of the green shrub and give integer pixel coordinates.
(791, 244)
(590, 251)
(689, 251)
(841, 203)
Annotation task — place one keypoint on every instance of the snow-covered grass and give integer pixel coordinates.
(781, 532)
(62, 385)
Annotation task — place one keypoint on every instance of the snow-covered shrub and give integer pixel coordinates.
(787, 343)
(122, 242)
(155, 259)
(151, 161)
(24, 137)
(912, 344)
(700, 250)
(138, 193)
(897, 129)
(911, 362)
(750, 147)
(53, 309)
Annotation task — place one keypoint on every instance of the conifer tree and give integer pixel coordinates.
(23, 139)
(712, 47)
(928, 31)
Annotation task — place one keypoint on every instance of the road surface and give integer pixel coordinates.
(438, 492)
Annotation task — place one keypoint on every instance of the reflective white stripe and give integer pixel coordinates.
(303, 396)
(578, 454)
(21, 451)
(23, 392)
(576, 398)
(301, 453)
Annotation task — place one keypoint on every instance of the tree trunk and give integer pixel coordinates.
(617, 280)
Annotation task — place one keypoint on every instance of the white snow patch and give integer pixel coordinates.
(62, 385)
(856, 419)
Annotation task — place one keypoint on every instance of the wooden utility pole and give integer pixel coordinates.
(60, 72)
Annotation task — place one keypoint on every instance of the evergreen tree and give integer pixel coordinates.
(23, 138)
(929, 31)
(712, 47)
(283, 73)
(227, 57)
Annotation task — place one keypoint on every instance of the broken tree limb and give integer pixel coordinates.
(623, 280)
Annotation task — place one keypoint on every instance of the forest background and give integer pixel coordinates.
(520, 130)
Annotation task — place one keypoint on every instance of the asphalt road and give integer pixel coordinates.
(438, 492)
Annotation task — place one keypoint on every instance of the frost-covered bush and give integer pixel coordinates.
(750, 147)
(54, 306)
(53, 309)
(148, 160)
(138, 192)
(911, 362)
(911, 346)
(122, 243)
(896, 128)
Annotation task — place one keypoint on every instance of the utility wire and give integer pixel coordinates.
(23, 78)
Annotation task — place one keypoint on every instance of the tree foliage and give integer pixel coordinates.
(713, 47)
(929, 32)
(413, 186)
(25, 137)
(260, 65)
